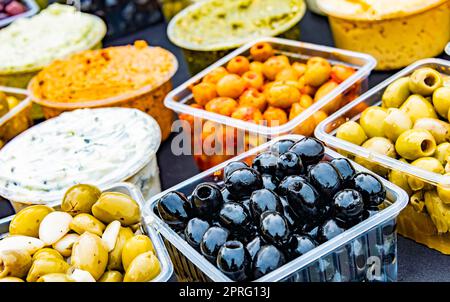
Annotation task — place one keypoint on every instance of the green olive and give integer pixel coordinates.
(379, 145)
(416, 106)
(14, 263)
(44, 266)
(400, 179)
(47, 253)
(27, 221)
(442, 153)
(396, 93)
(90, 254)
(372, 120)
(111, 276)
(135, 246)
(425, 81)
(441, 101)
(79, 199)
(395, 123)
(351, 132)
(417, 200)
(143, 268)
(115, 256)
(55, 277)
(415, 143)
(4, 107)
(117, 206)
(439, 129)
(444, 192)
(87, 223)
(426, 163)
(438, 211)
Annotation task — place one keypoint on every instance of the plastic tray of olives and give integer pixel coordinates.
(363, 249)
(400, 130)
(130, 190)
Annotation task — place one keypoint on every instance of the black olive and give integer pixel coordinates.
(328, 230)
(274, 228)
(264, 200)
(345, 169)
(311, 230)
(207, 199)
(326, 180)
(212, 240)
(265, 163)
(233, 166)
(235, 218)
(370, 187)
(348, 207)
(270, 181)
(287, 182)
(268, 259)
(304, 200)
(299, 245)
(282, 146)
(254, 245)
(226, 196)
(310, 150)
(175, 209)
(234, 261)
(289, 164)
(195, 230)
(242, 182)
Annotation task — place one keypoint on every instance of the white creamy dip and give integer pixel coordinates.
(95, 146)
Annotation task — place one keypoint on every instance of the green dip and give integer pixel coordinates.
(218, 25)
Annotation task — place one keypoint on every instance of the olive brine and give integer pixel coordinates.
(286, 204)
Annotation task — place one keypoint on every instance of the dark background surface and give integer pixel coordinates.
(415, 262)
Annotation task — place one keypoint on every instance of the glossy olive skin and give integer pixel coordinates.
(233, 166)
(206, 199)
(325, 179)
(242, 182)
(175, 209)
(268, 259)
(311, 231)
(371, 120)
(344, 168)
(254, 245)
(416, 106)
(270, 182)
(282, 146)
(264, 200)
(395, 123)
(304, 200)
(415, 143)
(235, 217)
(287, 182)
(370, 187)
(212, 240)
(351, 132)
(195, 230)
(309, 149)
(226, 196)
(441, 101)
(425, 81)
(234, 261)
(266, 163)
(289, 163)
(274, 228)
(328, 230)
(396, 93)
(348, 207)
(299, 245)
(294, 221)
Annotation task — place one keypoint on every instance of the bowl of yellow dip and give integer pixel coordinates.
(397, 33)
(134, 76)
(210, 29)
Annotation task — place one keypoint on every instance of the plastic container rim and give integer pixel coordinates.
(33, 8)
(391, 163)
(225, 45)
(399, 196)
(360, 74)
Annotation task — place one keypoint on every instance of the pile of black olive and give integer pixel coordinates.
(289, 202)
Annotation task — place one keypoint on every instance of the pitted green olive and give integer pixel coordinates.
(417, 200)
(395, 123)
(379, 145)
(351, 132)
(442, 153)
(444, 192)
(115, 256)
(117, 206)
(44, 266)
(87, 223)
(27, 221)
(135, 246)
(372, 120)
(441, 101)
(111, 276)
(415, 143)
(14, 263)
(425, 81)
(47, 253)
(55, 277)
(438, 211)
(90, 254)
(400, 179)
(426, 163)
(416, 106)
(396, 93)
(143, 268)
(439, 129)
(79, 199)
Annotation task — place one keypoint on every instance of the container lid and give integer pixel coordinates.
(96, 146)
(103, 76)
(375, 10)
(29, 44)
(219, 25)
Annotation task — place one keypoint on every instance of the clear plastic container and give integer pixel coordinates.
(18, 119)
(32, 9)
(181, 97)
(133, 192)
(366, 252)
(413, 224)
